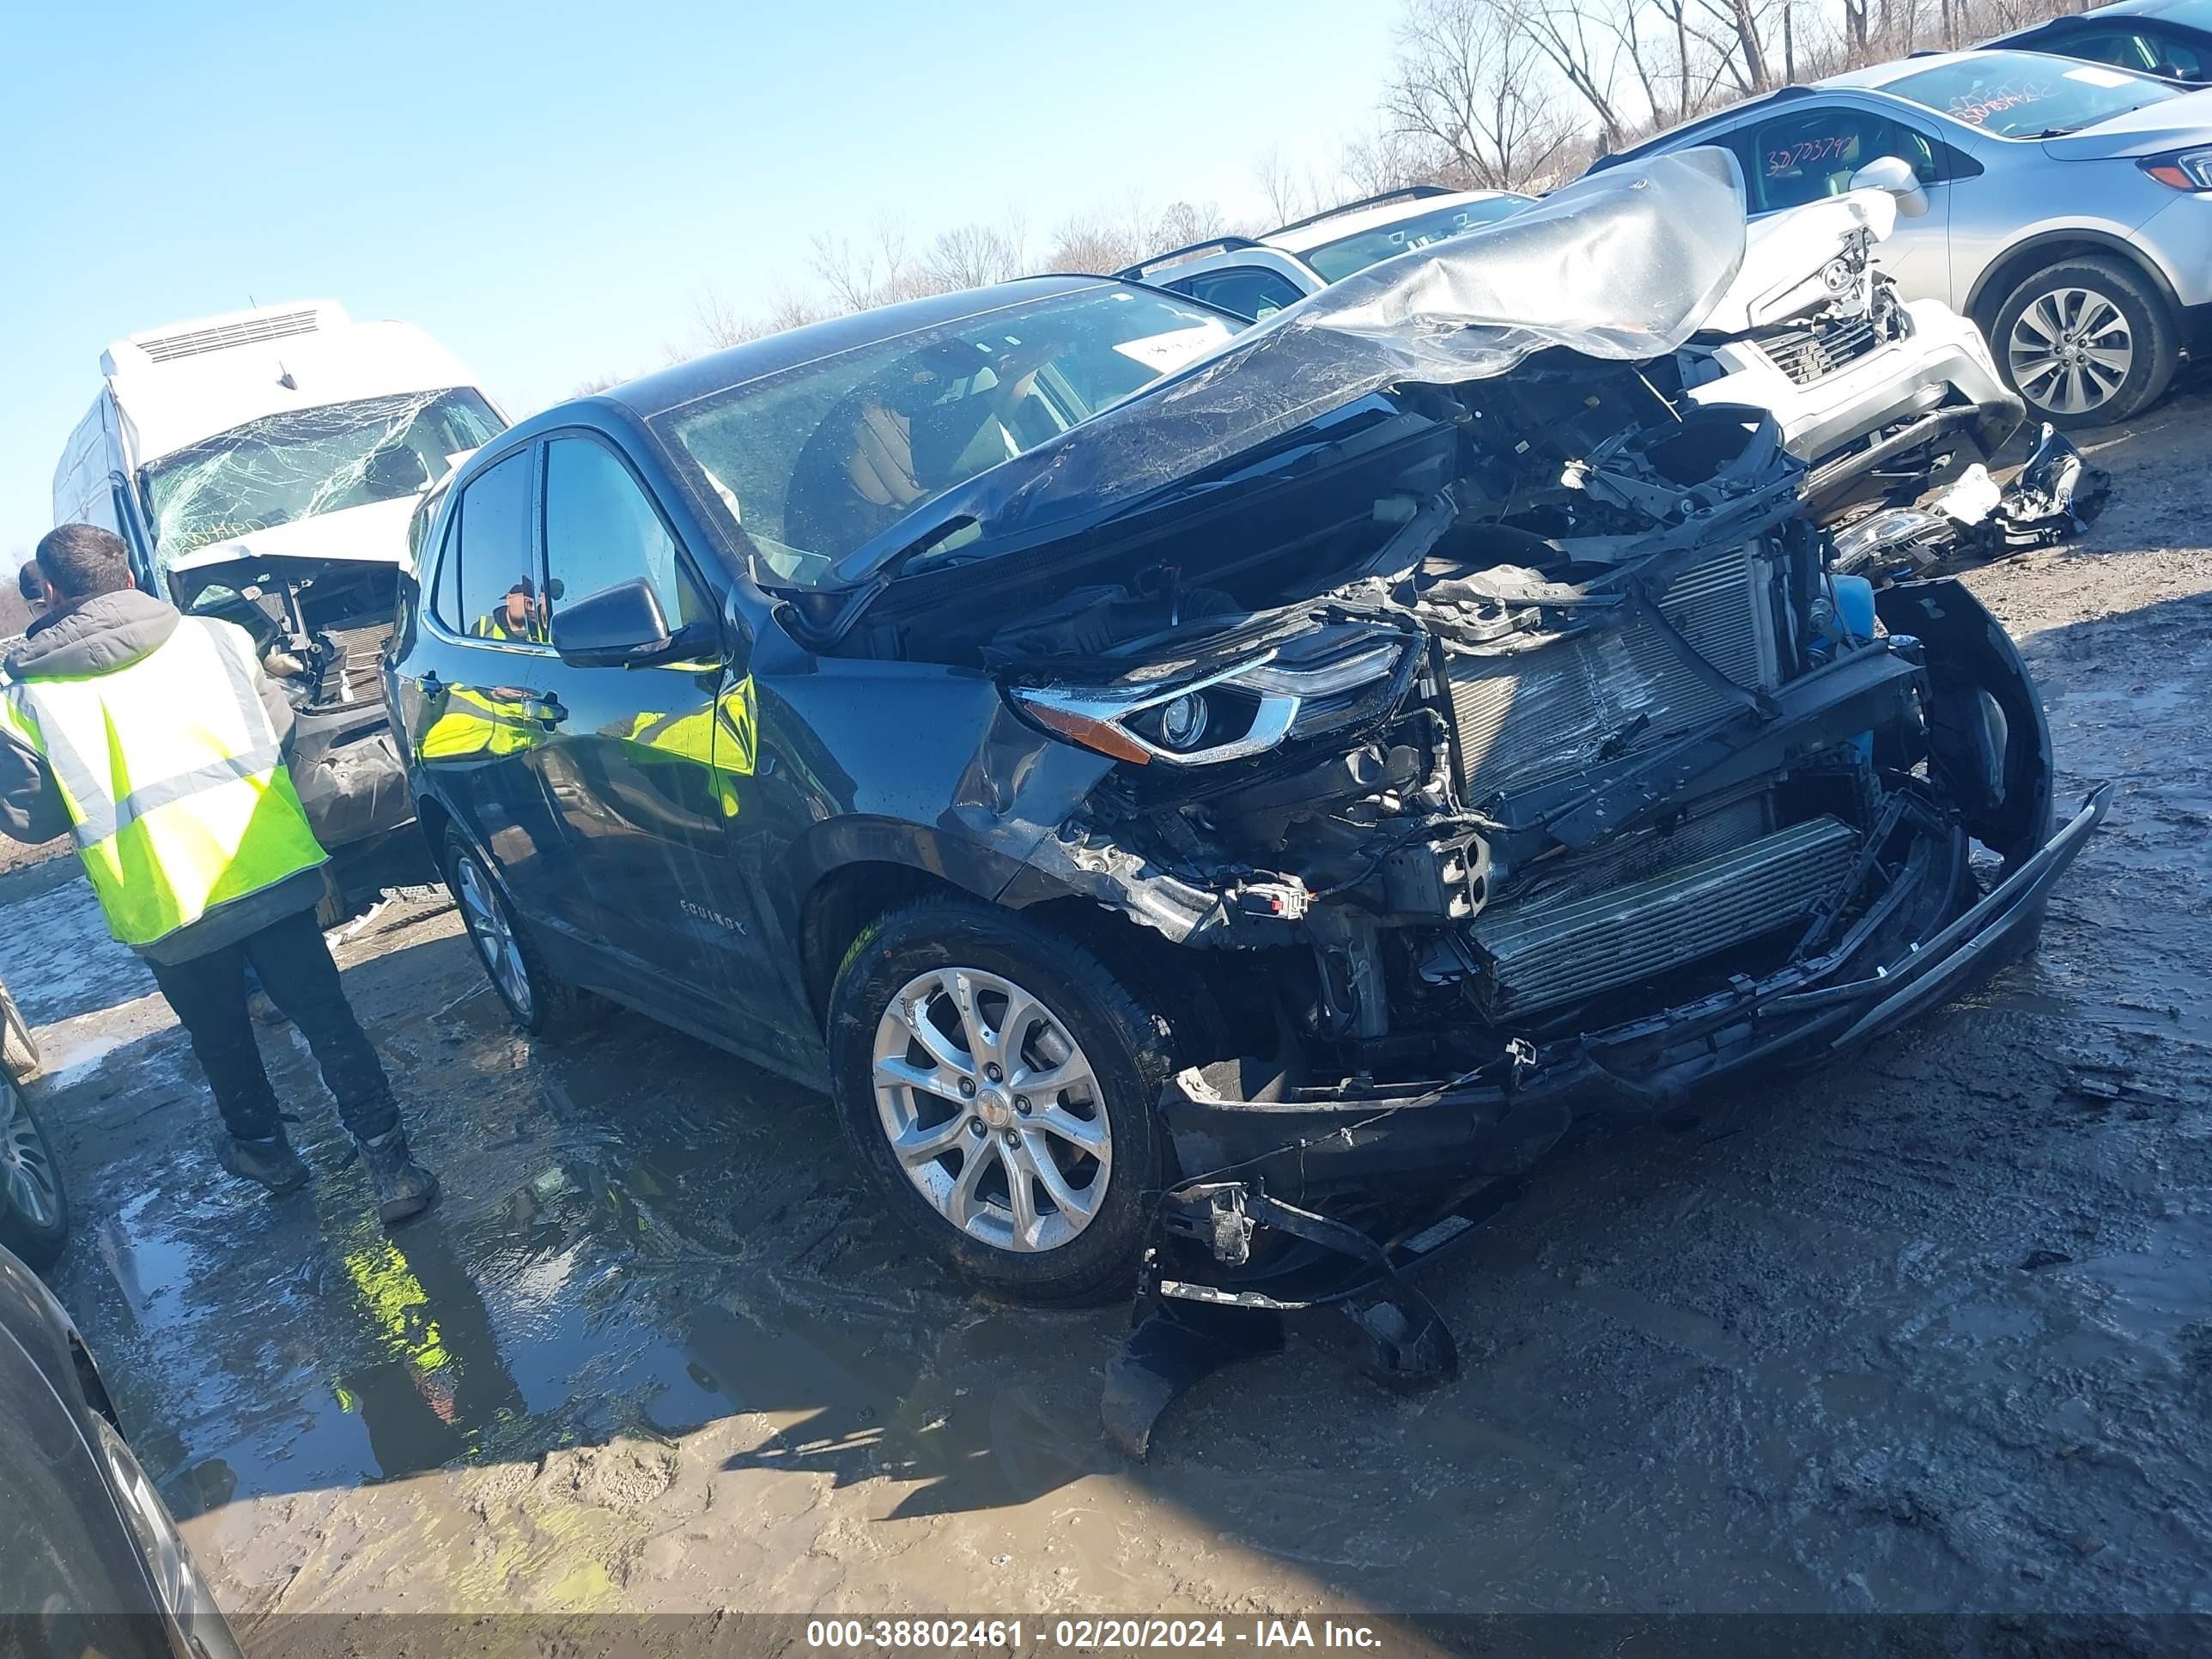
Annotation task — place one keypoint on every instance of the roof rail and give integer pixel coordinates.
(1677, 137)
(1410, 193)
(1144, 268)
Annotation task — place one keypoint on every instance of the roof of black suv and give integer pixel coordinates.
(668, 388)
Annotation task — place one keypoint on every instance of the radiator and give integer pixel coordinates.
(1541, 952)
(1526, 718)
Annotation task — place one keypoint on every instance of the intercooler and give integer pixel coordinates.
(1526, 718)
(1545, 951)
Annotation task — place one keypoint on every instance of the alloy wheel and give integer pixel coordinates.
(991, 1109)
(27, 1182)
(488, 926)
(2070, 351)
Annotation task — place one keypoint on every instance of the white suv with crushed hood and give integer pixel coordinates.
(1861, 383)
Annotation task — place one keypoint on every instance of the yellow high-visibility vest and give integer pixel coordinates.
(178, 798)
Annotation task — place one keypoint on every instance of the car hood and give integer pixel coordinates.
(1622, 266)
(2170, 124)
(375, 533)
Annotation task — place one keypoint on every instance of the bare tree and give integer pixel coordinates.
(1181, 223)
(871, 273)
(1291, 194)
(1387, 161)
(970, 256)
(1090, 243)
(1737, 30)
(1468, 82)
(1584, 44)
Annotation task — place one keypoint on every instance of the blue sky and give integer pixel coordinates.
(548, 188)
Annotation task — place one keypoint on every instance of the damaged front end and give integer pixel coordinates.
(319, 627)
(1596, 786)
(1494, 739)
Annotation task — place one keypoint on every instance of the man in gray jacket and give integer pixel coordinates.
(155, 741)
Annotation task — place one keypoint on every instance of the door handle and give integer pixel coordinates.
(430, 683)
(550, 710)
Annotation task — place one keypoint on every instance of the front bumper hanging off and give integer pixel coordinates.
(1243, 1253)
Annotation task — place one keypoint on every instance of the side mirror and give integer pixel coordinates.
(619, 627)
(1896, 175)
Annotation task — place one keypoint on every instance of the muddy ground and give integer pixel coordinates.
(1932, 1331)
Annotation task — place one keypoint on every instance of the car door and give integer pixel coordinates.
(476, 681)
(647, 767)
(1809, 150)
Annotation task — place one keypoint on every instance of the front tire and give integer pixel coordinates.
(2087, 342)
(997, 1085)
(19, 1052)
(546, 1006)
(34, 1200)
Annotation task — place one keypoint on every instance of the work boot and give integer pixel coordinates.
(269, 1160)
(403, 1188)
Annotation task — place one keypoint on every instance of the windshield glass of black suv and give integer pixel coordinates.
(816, 461)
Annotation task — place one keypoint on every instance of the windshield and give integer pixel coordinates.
(2023, 94)
(817, 461)
(302, 463)
(1337, 260)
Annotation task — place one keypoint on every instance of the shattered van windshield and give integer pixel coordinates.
(301, 463)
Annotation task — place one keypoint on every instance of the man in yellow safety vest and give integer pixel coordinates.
(156, 743)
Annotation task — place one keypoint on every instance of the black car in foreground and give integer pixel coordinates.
(1219, 802)
(90, 1562)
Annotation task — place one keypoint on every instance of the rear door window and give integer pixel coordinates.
(1251, 291)
(2176, 56)
(497, 579)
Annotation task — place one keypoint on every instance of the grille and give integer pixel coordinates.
(1805, 354)
(1539, 953)
(1526, 719)
(163, 347)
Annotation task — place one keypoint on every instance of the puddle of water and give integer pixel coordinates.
(56, 958)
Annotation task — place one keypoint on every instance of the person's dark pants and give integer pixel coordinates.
(295, 967)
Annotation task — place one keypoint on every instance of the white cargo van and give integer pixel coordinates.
(262, 466)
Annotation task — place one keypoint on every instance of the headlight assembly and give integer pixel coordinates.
(1241, 711)
(2186, 169)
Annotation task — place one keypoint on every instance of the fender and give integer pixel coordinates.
(1982, 300)
(1968, 650)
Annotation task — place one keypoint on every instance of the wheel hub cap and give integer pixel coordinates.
(2070, 351)
(991, 1109)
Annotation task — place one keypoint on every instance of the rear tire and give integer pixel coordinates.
(1009, 1003)
(2100, 304)
(19, 1051)
(34, 1198)
(547, 1007)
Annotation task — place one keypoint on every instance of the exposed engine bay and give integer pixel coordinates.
(320, 627)
(1589, 778)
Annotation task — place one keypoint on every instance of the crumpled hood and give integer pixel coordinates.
(2169, 123)
(375, 533)
(1785, 251)
(1622, 266)
(100, 636)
